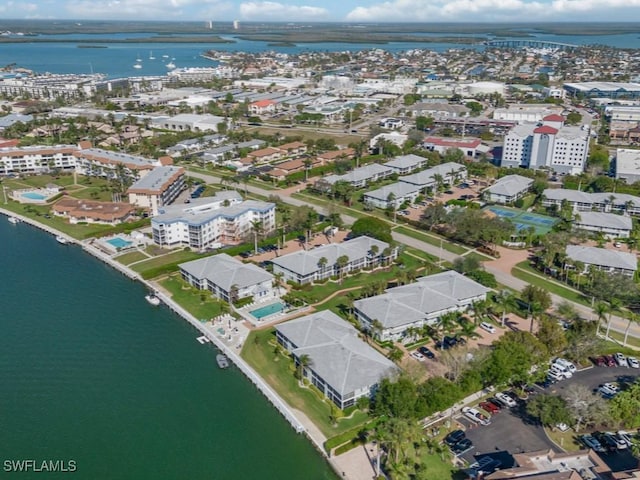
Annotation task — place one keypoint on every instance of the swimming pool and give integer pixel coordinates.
(33, 196)
(267, 310)
(118, 242)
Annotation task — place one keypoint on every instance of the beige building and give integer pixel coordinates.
(158, 188)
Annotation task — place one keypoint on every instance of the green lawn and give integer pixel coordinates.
(278, 372)
(170, 261)
(192, 299)
(525, 272)
(131, 257)
(439, 468)
(38, 181)
(431, 239)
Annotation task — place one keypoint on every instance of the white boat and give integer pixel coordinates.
(152, 299)
(223, 361)
(14, 220)
(165, 56)
(171, 65)
(151, 57)
(137, 65)
(61, 239)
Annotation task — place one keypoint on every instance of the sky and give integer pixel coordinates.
(328, 10)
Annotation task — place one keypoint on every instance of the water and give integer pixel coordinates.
(119, 242)
(33, 196)
(267, 310)
(90, 372)
(118, 59)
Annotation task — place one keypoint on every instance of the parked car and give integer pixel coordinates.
(565, 364)
(620, 443)
(609, 442)
(495, 403)
(625, 437)
(560, 371)
(426, 352)
(462, 446)
(454, 437)
(590, 441)
(505, 399)
(486, 465)
(621, 360)
(608, 390)
(476, 416)
(554, 376)
(633, 362)
(489, 407)
(610, 360)
(418, 356)
(599, 361)
(487, 327)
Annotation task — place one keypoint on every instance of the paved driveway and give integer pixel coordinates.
(596, 376)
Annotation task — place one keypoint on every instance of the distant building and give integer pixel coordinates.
(449, 173)
(406, 164)
(307, 266)
(526, 113)
(360, 177)
(417, 304)
(603, 89)
(610, 225)
(396, 138)
(227, 278)
(471, 147)
(190, 122)
(610, 261)
(342, 366)
(392, 195)
(158, 188)
(627, 165)
(91, 211)
(211, 222)
(508, 189)
(551, 145)
(586, 202)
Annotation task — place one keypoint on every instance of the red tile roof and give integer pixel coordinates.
(554, 117)
(443, 142)
(546, 129)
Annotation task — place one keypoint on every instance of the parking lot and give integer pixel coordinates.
(511, 430)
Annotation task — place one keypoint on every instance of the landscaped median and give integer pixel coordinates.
(525, 272)
(264, 355)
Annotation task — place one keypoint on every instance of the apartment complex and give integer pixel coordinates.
(158, 188)
(212, 222)
(549, 145)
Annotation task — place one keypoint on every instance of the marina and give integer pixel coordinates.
(203, 339)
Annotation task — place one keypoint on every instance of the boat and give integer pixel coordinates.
(137, 65)
(223, 361)
(171, 64)
(61, 239)
(14, 220)
(151, 57)
(165, 56)
(152, 299)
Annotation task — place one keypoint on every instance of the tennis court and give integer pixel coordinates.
(523, 220)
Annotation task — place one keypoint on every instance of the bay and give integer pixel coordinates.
(117, 59)
(90, 372)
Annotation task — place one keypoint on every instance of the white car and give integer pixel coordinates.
(418, 356)
(633, 362)
(625, 437)
(561, 370)
(555, 375)
(621, 360)
(487, 327)
(608, 390)
(505, 399)
(476, 416)
(565, 364)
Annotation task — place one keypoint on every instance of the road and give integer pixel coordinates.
(618, 324)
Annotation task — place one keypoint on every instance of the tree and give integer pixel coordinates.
(395, 354)
(600, 309)
(632, 317)
(551, 334)
(257, 229)
(549, 410)
(614, 306)
(512, 357)
(624, 406)
(538, 299)
(303, 362)
(372, 227)
(433, 215)
(424, 123)
(341, 263)
(585, 407)
(574, 118)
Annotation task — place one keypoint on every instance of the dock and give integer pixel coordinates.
(202, 339)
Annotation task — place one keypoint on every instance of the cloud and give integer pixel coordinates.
(140, 9)
(493, 10)
(276, 11)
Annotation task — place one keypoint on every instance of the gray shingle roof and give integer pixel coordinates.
(510, 185)
(399, 190)
(406, 161)
(336, 353)
(426, 177)
(360, 174)
(305, 262)
(407, 304)
(602, 257)
(226, 271)
(606, 220)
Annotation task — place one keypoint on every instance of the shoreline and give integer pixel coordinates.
(316, 439)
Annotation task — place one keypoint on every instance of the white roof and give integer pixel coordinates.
(510, 185)
(399, 190)
(602, 257)
(335, 352)
(627, 162)
(225, 271)
(606, 220)
(406, 161)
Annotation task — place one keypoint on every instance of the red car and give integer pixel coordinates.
(489, 407)
(599, 361)
(610, 360)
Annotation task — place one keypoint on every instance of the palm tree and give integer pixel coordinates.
(632, 318)
(377, 328)
(322, 263)
(341, 263)
(303, 362)
(233, 294)
(614, 306)
(395, 354)
(257, 229)
(447, 323)
(600, 309)
(277, 279)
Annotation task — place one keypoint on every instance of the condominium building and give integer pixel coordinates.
(418, 304)
(610, 261)
(627, 165)
(212, 222)
(341, 365)
(320, 263)
(585, 202)
(37, 159)
(158, 188)
(550, 145)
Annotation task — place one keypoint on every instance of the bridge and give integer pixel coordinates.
(529, 43)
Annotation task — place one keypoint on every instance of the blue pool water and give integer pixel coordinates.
(267, 310)
(119, 242)
(33, 196)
